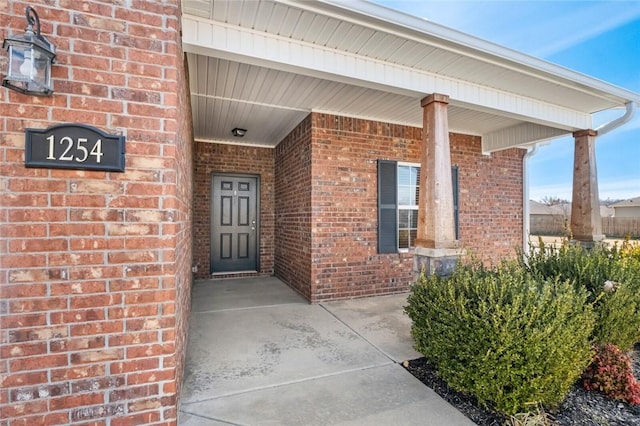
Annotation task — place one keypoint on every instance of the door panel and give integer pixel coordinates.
(234, 223)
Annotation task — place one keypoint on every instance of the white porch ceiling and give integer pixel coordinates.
(264, 65)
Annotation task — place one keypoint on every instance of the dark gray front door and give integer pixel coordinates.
(234, 223)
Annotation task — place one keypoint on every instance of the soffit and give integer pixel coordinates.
(228, 90)
(270, 103)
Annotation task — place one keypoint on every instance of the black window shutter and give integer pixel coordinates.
(454, 185)
(387, 206)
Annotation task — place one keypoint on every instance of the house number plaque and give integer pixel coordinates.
(74, 146)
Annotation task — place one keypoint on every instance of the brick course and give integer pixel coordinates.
(95, 267)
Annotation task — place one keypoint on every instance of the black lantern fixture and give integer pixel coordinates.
(30, 59)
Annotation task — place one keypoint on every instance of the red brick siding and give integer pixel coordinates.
(293, 209)
(183, 221)
(344, 198)
(220, 158)
(491, 216)
(345, 211)
(92, 263)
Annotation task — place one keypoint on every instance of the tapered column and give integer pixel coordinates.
(436, 225)
(435, 252)
(586, 224)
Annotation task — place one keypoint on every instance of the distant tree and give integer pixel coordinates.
(553, 201)
(562, 209)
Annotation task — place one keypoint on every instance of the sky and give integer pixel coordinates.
(597, 38)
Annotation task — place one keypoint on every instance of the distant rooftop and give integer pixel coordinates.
(631, 202)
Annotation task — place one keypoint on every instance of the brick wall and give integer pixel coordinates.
(221, 158)
(491, 217)
(345, 214)
(293, 209)
(183, 225)
(344, 195)
(92, 263)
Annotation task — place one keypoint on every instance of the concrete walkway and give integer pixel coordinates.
(259, 354)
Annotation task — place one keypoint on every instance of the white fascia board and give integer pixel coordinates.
(217, 39)
(469, 45)
(520, 135)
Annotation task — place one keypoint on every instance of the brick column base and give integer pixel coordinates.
(432, 261)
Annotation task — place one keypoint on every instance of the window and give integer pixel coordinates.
(408, 193)
(398, 193)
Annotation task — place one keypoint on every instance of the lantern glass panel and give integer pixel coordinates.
(19, 63)
(29, 69)
(41, 68)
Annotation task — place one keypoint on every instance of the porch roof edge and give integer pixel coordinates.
(492, 52)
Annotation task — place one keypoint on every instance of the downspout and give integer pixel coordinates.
(525, 199)
(614, 124)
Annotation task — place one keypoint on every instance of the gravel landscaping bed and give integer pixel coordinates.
(581, 407)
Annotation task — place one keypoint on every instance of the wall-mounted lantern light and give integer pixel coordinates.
(30, 59)
(237, 132)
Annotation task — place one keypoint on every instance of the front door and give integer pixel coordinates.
(234, 223)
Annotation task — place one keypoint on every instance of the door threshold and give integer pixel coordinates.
(228, 273)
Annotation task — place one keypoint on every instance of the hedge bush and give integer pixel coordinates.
(611, 275)
(500, 335)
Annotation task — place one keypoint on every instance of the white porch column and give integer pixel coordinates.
(586, 223)
(435, 251)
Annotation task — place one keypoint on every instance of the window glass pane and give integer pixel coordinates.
(408, 193)
(403, 239)
(404, 196)
(404, 175)
(403, 219)
(414, 175)
(408, 185)
(413, 214)
(413, 234)
(409, 198)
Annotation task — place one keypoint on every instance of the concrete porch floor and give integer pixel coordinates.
(259, 354)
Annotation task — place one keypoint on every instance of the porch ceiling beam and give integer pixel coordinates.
(519, 135)
(217, 39)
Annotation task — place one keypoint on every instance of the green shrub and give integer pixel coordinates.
(612, 277)
(630, 249)
(611, 373)
(618, 316)
(501, 336)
